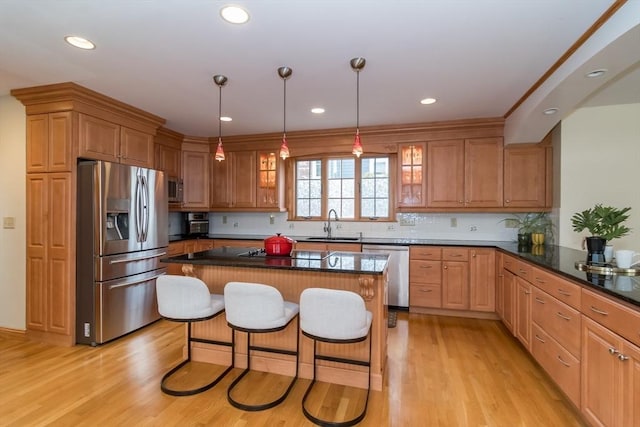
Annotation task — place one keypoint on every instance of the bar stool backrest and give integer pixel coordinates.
(334, 314)
(254, 306)
(183, 297)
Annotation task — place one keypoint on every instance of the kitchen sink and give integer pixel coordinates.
(323, 238)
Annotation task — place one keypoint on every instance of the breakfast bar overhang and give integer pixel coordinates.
(362, 273)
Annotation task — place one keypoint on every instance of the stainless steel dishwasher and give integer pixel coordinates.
(398, 273)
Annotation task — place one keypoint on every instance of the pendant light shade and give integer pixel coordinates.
(357, 64)
(284, 73)
(220, 80)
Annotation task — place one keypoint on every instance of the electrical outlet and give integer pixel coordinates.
(272, 219)
(391, 227)
(454, 222)
(510, 223)
(8, 222)
(291, 225)
(224, 219)
(236, 225)
(407, 221)
(473, 228)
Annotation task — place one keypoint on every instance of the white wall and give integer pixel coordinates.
(12, 204)
(600, 163)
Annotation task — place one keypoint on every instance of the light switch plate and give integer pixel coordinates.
(8, 222)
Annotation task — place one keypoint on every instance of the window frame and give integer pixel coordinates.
(324, 159)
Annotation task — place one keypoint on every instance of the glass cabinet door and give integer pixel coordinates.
(267, 179)
(411, 179)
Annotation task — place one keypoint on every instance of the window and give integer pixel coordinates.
(357, 189)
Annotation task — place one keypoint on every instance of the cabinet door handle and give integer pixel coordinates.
(539, 280)
(622, 357)
(426, 290)
(445, 267)
(604, 313)
(613, 350)
(563, 362)
(455, 255)
(563, 316)
(540, 301)
(540, 339)
(527, 292)
(563, 292)
(425, 266)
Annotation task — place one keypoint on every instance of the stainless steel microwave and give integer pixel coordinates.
(175, 187)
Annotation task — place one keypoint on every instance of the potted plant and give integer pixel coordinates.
(605, 223)
(529, 224)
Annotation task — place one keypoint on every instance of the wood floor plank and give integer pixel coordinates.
(441, 371)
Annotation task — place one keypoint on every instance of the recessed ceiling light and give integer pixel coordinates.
(317, 110)
(80, 42)
(596, 73)
(428, 101)
(550, 111)
(234, 14)
(225, 119)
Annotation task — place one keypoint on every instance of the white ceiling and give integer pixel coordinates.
(477, 57)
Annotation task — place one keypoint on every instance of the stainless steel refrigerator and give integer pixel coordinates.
(122, 232)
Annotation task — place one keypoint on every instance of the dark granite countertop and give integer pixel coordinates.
(556, 259)
(325, 261)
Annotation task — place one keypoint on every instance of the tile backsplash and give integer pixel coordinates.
(457, 226)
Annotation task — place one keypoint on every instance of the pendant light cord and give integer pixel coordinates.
(358, 100)
(220, 113)
(284, 109)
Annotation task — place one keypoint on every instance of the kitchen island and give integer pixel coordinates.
(365, 274)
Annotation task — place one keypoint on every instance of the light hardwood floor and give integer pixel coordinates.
(442, 371)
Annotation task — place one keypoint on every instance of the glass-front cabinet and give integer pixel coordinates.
(267, 191)
(411, 188)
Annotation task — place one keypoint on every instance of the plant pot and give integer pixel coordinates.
(524, 239)
(595, 250)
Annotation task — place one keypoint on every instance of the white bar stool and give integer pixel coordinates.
(256, 308)
(187, 299)
(338, 317)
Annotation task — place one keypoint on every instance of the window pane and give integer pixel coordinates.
(382, 186)
(348, 208)
(302, 170)
(382, 207)
(308, 187)
(366, 206)
(315, 207)
(368, 189)
(334, 189)
(302, 207)
(303, 189)
(348, 188)
(315, 191)
(374, 195)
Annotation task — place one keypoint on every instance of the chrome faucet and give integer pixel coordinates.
(327, 226)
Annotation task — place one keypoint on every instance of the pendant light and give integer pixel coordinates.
(220, 80)
(284, 73)
(357, 64)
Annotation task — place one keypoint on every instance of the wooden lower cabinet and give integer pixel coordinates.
(562, 366)
(523, 312)
(455, 285)
(50, 256)
(610, 377)
(482, 280)
(425, 283)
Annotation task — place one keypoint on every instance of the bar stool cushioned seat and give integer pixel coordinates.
(339, 317)
(257, 308)
(187, 299)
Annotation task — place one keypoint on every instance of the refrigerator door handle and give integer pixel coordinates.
(120, 261)
(145, 209)
(135, 282)
(138, 218)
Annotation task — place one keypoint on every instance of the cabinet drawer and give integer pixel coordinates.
(558, 320)
(425, 271)
(620, 319)
(425, 252)
(563, 290)
(455, 254)
(425, 296)
(561, 366)
(510, 263)
(523, 270)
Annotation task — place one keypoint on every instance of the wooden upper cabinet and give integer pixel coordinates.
(411, 176)
(136, 148)
(525, 176)
(221, 182)
(483, 172)
(244, 183)
(102, 140)
(49, 142)
(445, 173)
(169, 160)
(195, 166)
